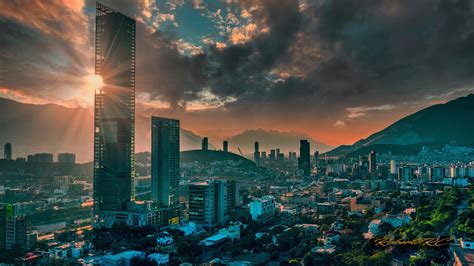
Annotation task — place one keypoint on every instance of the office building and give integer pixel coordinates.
(225, 146)
(66, 163)
(304, 163)
(3, 225)
(15, 232)
(393, 167)
(205, 144)
(138, 214)
(210, 202)
(262, 209)
(114, 111)
(41, 158)
(372, 163)
(405, 173)
(316, 158)
(272, 155)
(7, 151)
(12, 227)
(437, 173)
(256, 153)
(232, 194)
(165, 161)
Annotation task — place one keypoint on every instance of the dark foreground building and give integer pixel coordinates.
(114, 113)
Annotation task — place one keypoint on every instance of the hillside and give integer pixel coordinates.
(209, 156)
(53, 128)
(441, 123)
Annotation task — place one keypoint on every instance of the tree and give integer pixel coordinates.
(308, 260)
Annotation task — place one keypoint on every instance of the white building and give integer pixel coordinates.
(164, 239)
(467, 244)
(263, 208)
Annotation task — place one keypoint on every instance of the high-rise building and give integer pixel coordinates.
(67, 158)
(437, 173)
(12, 227)
(405, 173)
(15, 232)
(272, 155)
(205, 144)
(210, 202)
(316, 158)
(232, 194)
(256, 153)
(114, 110)
(3, 225)
(304, 162)
(372, 163)
(393, 167)
(165, 161)
(66, 163)
(41, 158)
(7, 151)
(225, 146)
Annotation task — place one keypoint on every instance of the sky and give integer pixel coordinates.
(337, 70)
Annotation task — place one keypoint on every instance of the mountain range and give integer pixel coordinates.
(437, 124)
(54, 128)
(271, 139)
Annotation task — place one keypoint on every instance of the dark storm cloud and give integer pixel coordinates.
(351, 53)
(164, 72)
(241, 67)
(319, 58)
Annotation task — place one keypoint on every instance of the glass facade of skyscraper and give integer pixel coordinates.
(114, 114)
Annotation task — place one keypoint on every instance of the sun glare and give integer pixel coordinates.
(94, 82)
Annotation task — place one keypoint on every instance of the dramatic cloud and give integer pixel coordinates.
(320, 66)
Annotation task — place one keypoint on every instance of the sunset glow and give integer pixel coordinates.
(94, 82)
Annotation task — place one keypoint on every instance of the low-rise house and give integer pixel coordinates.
(164, 239)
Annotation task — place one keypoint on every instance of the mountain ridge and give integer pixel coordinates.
(31, 129)
(439, 123)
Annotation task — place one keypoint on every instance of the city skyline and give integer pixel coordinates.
(286, 90)
(158, 194)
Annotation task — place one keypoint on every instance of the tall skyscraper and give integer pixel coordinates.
(114, 113)
(304, 162)
(393, 167)
(7, 151)
(12, 227)
(225, 146)
(205, 144)
(372, 163)
(165, 161)
(256, 154)
(316, 159)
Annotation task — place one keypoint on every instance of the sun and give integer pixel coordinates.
(94, 82)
